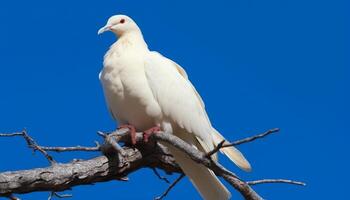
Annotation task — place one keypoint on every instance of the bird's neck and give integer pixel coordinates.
(132, 39)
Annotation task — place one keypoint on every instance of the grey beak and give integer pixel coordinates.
(104, 29)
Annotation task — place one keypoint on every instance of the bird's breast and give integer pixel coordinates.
(127, 91)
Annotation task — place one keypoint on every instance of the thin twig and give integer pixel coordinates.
(159, 176)
(113, 141)
(113, 138)
(31, 144)
(216, 149)
(60, 196)
(264, 181)
(77, 148)
(170, 187)
(10, 134)
(250, 139)
(224, 143)
(102, 134)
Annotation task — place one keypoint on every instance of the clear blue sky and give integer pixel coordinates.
(257, 64)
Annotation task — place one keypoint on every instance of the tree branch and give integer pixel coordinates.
(202, 158)
(60, 196)
(76, 148)
(224, 143)
(10, 134)
(61, 177)
(255, 137)
(264, 181)
(117, 163)
(31, 144)
(159, 176)
(171, 187)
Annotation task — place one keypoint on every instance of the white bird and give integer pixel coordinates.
(144, 89)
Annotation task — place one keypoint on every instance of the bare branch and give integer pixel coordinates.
(31, 144)
(264, 181)
(117, 165)
(61, 177)
(10, 134)
(202, 158)
(60, 196)
(111, 140)
(77, 148)
(171, 187)
(159, 176)
(216, 149)
(251, 139)
(224, 143)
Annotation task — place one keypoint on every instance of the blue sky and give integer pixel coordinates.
(257, 65)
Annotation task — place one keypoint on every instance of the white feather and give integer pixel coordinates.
(231, 152)
(144, 89)
(176, 98)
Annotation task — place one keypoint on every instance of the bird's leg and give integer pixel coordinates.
(132, 132)
(149, 132)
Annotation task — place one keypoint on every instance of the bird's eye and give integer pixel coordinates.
(122, 21)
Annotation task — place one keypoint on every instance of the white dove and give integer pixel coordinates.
(146, 91)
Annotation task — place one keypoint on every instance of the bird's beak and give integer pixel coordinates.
(104, 29)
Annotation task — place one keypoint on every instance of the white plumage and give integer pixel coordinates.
(145, 89)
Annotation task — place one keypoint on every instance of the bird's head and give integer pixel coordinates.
(119, 24)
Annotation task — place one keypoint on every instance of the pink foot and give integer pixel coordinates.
(149, 132)
(132, 132)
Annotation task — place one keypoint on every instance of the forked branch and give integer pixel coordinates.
(119, 161)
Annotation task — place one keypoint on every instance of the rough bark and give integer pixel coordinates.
(116, 163)
(61, 177)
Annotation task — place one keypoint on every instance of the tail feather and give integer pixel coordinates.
(205, 181)
(231, 152)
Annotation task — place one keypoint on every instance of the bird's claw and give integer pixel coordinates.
(132, 132)
(149, 132)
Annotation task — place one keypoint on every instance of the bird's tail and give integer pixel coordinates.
(205, 181)
(234, 154)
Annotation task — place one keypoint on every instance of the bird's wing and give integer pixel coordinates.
(177, 97)
(182, 108)
(231, 152)
(184, 74)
